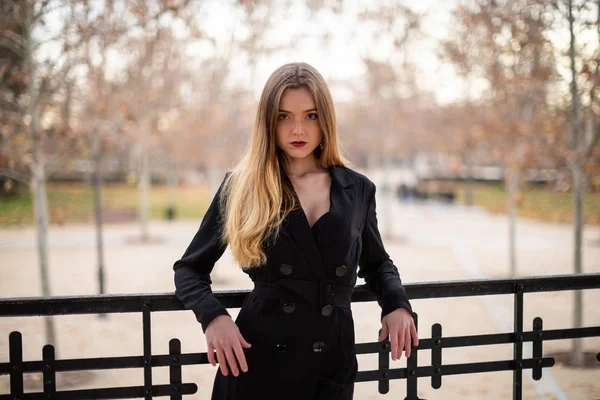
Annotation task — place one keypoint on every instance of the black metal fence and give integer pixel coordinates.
(175, 360)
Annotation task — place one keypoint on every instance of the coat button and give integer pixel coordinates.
(280, 348)
(341, 270)
(318, 347)
(289, 307)
(326, 310)
(285, 269)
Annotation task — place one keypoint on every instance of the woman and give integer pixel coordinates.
(303, 226)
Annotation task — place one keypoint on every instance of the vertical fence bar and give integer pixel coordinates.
(15, 343)
(48, 373)
(147, 350)
(518, 344)
(411, 368)
(384, 365)
(175, 369)
(436, 356)
(537, 349)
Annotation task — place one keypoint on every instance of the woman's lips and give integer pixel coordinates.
(298, 144)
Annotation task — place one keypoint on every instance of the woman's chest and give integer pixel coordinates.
(314, 195)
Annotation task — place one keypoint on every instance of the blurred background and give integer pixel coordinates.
(478, 120)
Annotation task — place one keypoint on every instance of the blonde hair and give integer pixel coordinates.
(255, 198)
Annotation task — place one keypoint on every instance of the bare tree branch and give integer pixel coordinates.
(42, 10)
(45, 10)
(589, 149)
(12, 174)
(11, 41)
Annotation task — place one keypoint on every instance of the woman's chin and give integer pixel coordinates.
(299, 154)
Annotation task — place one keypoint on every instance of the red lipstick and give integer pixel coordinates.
(298, 143)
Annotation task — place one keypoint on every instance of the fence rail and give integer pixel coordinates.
(149, 303)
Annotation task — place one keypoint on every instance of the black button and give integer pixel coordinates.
(341, 270)
(285, 269)
(280, 348)
(318, 347)
(326, 310)
(289, 307)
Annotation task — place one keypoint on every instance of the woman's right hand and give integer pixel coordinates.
(224, 337)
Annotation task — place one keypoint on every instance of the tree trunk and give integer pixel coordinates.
(38, 165)
(215, 178)
(513, 185)
(144, 182)
(387, 196)
(98, 217)
(40, 208)
(577, 169)
(578, 189)
(172, 182)
(469, 181)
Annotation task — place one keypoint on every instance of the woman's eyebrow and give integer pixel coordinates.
(286, 111)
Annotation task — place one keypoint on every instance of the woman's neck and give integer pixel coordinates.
(300, 167)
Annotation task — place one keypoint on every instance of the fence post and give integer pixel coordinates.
(518, 344)
(384, 365)
(411, 367)
(537, 348)
(436, 356)
(147, 349)
(15, 343)
(175, 369)
(48, 372)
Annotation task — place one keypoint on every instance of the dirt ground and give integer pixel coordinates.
(427, 242)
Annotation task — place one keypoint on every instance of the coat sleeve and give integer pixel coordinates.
(192, 271)
(376, 267)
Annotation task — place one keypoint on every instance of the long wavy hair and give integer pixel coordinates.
(256, 198)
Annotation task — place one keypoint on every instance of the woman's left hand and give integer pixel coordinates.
(399, 324)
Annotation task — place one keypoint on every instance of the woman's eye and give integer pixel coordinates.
(312, 116)
(283, 116)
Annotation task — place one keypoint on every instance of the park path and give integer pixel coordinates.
(428, 242)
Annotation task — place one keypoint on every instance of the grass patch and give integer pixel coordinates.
(74, 202)
(535, 202)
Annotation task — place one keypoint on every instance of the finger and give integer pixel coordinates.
(239, 353)
(243, 342)
(384, 332)
(394, 345)
(222, 361)
(232, 362)
(210, 353)
(407, 347)
(415, 335)
(400, 336)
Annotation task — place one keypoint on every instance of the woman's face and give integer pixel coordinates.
(298, 131)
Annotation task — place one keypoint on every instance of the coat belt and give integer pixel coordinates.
(319, 293)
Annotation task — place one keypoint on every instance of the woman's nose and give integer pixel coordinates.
(298, 128)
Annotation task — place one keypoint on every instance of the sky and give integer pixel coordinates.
(350, 42)
(341, 58)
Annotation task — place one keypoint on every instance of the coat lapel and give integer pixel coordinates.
(297, 226)
(342, 197)
(342, 201)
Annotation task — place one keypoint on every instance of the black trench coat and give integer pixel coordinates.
(298, 318)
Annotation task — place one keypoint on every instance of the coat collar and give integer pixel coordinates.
(340, 174)
(342, 200)
(341, 197)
